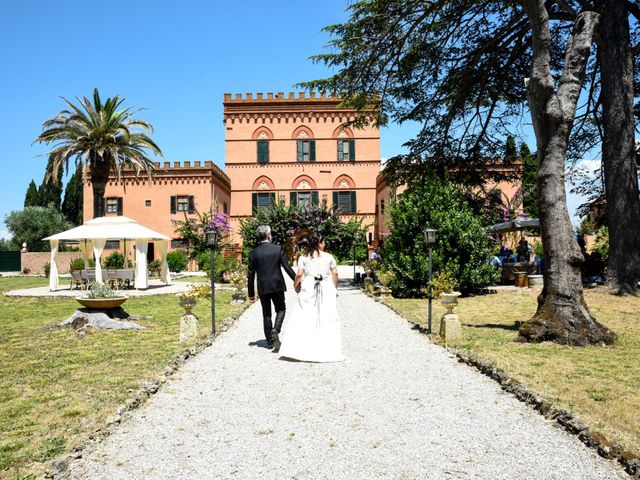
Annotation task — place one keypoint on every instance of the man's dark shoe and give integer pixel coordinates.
(269, 345)
(275, 339)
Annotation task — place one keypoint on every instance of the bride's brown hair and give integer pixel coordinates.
(309, 244)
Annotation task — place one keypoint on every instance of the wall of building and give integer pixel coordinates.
(282, 121)
(149, 202)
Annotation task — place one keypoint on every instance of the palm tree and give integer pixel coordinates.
(99, 137)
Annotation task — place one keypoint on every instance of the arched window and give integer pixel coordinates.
(346, 145)
(305, 144)
(262, 136)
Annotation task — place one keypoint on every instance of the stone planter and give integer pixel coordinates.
(449, 301)
(239, 296)
(535, 281)
(101, 303)
(385, 279)
(187, 303)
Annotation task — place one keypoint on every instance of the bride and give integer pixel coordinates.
(312, 332)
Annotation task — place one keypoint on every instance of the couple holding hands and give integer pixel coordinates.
(312, 332)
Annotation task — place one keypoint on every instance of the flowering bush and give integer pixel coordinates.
(199, 290)
(237, 275)
(192, 230)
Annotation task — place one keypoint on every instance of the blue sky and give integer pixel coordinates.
(174, 59)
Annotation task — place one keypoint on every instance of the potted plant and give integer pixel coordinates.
(444, 287)
(187, 299)
(385, 276)
(101, 296)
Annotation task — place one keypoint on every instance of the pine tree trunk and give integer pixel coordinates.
(618, 149)
(562, 314)
(98, 199)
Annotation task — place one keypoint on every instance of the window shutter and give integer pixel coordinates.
(254, 203)
(173, 204)
(120, 209)
(354, 209)
(272, 199)
(312, 150)
(335, 201)
(352, 150)
(192, 204)
(293, 198)
(300, 154)
(263, 151)
(314, 198)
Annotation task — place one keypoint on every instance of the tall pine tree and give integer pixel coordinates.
(31, 198)
(73, 198)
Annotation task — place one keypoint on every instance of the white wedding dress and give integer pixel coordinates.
(312, 331)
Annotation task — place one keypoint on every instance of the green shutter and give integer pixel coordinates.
(312, 150)
(120, 209)
(254, 203)
(300, 151)
(293, 198)
(354, 209)
(263, 151)
(352, 150)
(314, 198)
(335, 201)
(192, 204)
(173, 204)
(272, 199)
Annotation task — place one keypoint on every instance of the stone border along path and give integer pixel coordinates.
(398, 408)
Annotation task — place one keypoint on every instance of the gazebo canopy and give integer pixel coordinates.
(109, 228)
(95, 233)
(516, 225)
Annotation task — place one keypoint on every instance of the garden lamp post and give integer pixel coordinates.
(354, 243)
(212, 243)
(429, 240)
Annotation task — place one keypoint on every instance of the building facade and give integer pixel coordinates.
(176, 190)
(295, 149)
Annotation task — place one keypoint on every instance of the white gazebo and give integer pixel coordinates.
(93, 236)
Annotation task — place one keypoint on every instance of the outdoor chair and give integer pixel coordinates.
(125, 277)
(76, 279)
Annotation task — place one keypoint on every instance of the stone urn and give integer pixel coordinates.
(187, 303)
(239, 296)
(449, 301)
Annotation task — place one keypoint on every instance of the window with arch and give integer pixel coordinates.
(306, 147)
(263, 147)
(346, 150)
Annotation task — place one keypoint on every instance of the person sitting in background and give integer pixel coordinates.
(496, 261)
(523, 250)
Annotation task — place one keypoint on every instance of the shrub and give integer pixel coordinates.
(177, 260)
(76, 264)
(154, 265)
(443, 282)
(601, 243)
(47, 269)
(287, 220)
(101, 290)
(462, 248)
(114, 260)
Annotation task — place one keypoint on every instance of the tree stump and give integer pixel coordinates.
(108, 319)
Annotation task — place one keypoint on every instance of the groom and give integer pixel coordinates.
(265, 260)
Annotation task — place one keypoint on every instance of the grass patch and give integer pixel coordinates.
(56, 388)
(597, 384)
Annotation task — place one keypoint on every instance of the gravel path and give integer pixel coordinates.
(397, 408)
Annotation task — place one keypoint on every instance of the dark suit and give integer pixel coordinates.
(265, 261)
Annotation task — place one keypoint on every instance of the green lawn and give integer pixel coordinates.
(600, 385)
(56, 388)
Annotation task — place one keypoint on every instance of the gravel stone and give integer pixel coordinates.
(398, 407)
